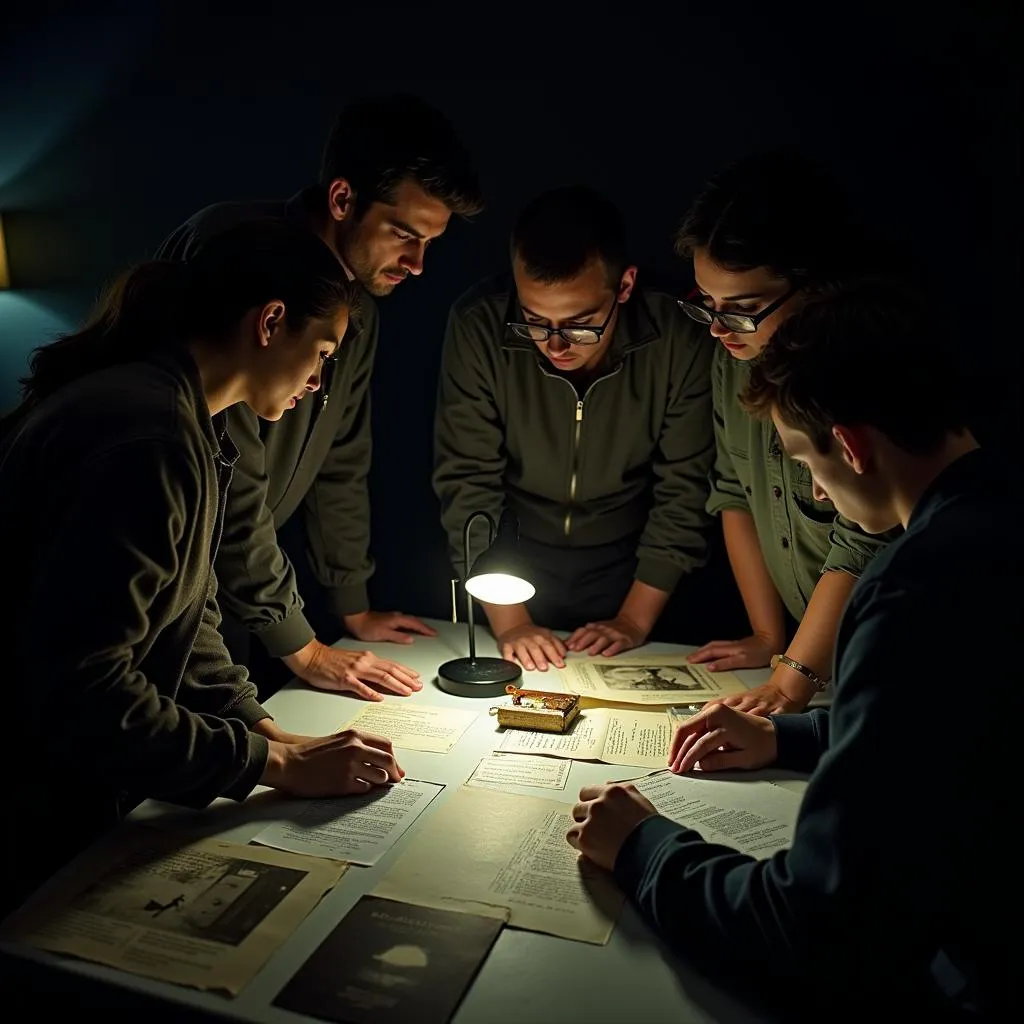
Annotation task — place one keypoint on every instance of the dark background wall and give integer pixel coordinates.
(116, 125)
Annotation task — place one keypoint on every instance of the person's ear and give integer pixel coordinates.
(855, 446)
(627, 284)
(341, 200)
(271, 319)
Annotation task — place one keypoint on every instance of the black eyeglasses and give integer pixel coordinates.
(735, 323)
(570, 335)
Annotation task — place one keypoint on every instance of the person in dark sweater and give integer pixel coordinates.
(113, 475)
(392, 175)
(893, 895)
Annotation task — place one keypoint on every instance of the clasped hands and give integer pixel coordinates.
(717, 738)
(536, 647)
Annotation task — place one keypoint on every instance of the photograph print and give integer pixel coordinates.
(647, 677)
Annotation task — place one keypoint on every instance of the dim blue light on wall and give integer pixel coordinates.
(5, 267)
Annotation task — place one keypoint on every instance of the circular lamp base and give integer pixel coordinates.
(477, 677)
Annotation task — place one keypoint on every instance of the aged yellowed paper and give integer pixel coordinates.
(487, 848)
(651, 679)
(639, 738)
(414, 726)
(206, 914)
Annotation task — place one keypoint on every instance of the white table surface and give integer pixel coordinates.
(527, 976)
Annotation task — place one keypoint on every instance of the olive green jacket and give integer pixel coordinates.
(800, 536)
(316, 456)
(119, 683)
(629, 456)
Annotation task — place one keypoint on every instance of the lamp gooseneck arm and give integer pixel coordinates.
(491, 531)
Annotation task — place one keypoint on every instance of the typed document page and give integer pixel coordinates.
(357, 829)
(504, 850)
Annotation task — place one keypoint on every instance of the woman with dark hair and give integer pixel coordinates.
(764, 235)
(113, 473)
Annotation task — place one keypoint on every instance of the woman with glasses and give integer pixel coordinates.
(762, 236)
(113, 475)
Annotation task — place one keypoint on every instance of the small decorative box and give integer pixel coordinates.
(538, 709)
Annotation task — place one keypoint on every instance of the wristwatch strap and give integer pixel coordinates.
(809, 674)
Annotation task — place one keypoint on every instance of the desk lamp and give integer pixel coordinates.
(497, 578)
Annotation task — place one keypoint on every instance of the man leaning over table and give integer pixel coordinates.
(578, 394)
(894, 895)
(393, 173)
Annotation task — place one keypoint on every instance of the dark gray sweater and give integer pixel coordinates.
(896, 892)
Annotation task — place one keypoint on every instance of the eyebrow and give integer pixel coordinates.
(578, 316)
(733, 298)
(407, 228)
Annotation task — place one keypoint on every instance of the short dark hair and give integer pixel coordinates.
(562, 230)
(378, 142)
(779, 210)
(868, 353)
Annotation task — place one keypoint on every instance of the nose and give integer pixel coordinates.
(717, 330)
(313, 384)
(819, 492)
(412, 260)
(557, 344)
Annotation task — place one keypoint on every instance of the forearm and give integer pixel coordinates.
(643, 605)
(814, 642)
(273, 732)
(760, 598)
(504, 617)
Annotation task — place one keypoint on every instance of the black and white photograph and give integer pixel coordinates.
(648, 677)
(222, 899)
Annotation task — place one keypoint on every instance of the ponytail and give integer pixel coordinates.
(162, 304)
(137, 314)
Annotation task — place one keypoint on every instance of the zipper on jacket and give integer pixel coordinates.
(575, 463)
(578, 428)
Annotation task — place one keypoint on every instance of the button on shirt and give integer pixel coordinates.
(800, 536)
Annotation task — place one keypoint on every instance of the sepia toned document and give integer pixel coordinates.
(756, 818)
(503, 770)
(358, 829)
(206, 914)
(497, 849)
(414, 726)
(652, 679)
(639, 738)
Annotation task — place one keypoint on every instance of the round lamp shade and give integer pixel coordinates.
(499, 588)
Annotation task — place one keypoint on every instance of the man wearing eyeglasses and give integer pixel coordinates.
(579, 398)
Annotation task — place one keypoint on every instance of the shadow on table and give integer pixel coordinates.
(723, 997)
(261, 808)
(35, 987)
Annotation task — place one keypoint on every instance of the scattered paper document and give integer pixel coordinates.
(652, 679)
(414, 726)
(639, 738)
(357, 829)
(501, 770)
(206, 913)
(500, 849)
(757, 818)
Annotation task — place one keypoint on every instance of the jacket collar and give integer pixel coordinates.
(179, 362)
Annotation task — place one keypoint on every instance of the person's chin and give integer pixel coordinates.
(385, 283)
(744, 353)
(571, 364)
